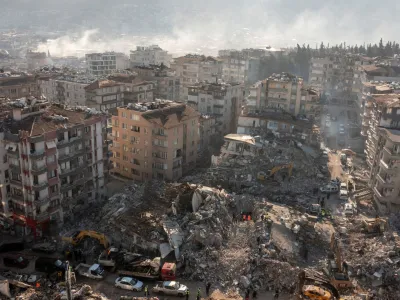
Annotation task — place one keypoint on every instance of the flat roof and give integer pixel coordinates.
(392, 134)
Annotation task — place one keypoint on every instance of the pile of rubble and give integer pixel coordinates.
(81, 292)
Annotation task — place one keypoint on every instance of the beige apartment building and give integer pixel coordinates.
(52, 160)
(15, 86)
(385, 176)
(154, 140)
(104, 95)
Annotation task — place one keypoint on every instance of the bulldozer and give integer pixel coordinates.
(263, 176)
(374, 226)
(77, 237)
(337, 269)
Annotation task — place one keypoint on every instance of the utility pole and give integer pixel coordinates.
(68, 280)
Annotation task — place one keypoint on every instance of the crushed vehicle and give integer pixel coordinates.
(129, 283)
(313, 292)
(95, 271)
(172, 288)
(348, 209)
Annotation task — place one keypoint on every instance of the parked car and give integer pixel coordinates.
(328, 189)
(341, 131)
(129, 283)
(172, 288)
(348, 209)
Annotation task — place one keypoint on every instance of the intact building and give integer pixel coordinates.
(53, 162)
(101, 64)
(135, 88)
(223, 101)
(154, 140)
(104, 94)
(15, 86)
(152, 55)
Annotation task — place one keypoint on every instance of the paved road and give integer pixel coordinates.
(107, 288)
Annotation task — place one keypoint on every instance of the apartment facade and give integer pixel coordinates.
(104, 95)
(69, 90)
(154, 140)
(222, 101)
(192, 69)
(54, 161)
(135, 88)
(15, 86)
(235, 68)
(101, 64)
(167, 83)
(385, 176)
(152, 55)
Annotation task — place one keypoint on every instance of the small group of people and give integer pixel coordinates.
(198, 295)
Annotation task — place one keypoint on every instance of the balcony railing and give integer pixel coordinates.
(42, 201)
(36, 154)
(391, 152)
(42, 216)
(39, 185)
(16, 182)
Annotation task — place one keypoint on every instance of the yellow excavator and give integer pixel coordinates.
(337, 268)
(374, 225)
(262, 175)
(77, 237)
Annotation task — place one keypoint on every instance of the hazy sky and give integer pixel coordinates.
(187, 25)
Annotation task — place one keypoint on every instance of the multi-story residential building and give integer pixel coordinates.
(194, 69)
(15, 86)
(66, 89)
(206, 133)
(385, 175)
(256, 98)
(101, 64)
(168, 85)
(235, 67)
(284, 91)
(152, 55)
(154, 140)
(334, 74)
(36, 60)
(104, 94)
(122, 61)
(54, 161)
(223, 101)
(135, 88)
(381, 111)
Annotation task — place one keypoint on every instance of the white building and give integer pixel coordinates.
(100, 64)
(66, 89)
(152, 55)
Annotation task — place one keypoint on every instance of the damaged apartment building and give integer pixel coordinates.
(52, 160)
(156, 140)
(381, 126)
(222, 101)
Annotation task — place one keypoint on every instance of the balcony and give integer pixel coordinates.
(19, 211)
(383, 181)
(36, 154)
(391, 152)
(17, 183)
(277, 99)
(42, 201)
(43, 216)
(67, 156)
(53, 208)
(39, 186)
(38, 169)
(64, 143)
(18, 198)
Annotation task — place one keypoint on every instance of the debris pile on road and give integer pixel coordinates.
(229, 295)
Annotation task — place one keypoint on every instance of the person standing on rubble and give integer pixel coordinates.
(254, 294)
(187, 294)
(146, 291)
(208, 286)
(198, 294)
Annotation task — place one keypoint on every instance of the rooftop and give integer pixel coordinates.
(387, 99)
(286, 77)
(392, 134)
(216, 87)
(278, 115)
(98, 84)
(164, 113)
(195, 58)
(53, 118)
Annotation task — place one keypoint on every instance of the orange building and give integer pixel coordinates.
(154, 140)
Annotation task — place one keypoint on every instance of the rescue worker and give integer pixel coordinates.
(187, 294)
(146, 291)
(37, 284)
(208, 286)
(244, 217)
(198, 294)
(248, 218)
(254, 294)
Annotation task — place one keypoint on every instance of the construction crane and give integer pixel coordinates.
(262, 175)
(77, 237)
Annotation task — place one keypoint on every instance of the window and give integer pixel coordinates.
(176, 142)
(125, 148)
(145, 164)
(123, 114)
(125, 158)
(388, 110)
(52, 174)
(51, 159)
(117, 154)
(124, 137)
(135, 117)
(53, 189)
(135, 172)
(193, 122)
(145, 130)
(136, 162)
(145, 153)
(135, 128)
(125, 169)
(87, 129)
(124, 126)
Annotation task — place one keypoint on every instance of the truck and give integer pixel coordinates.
(149, 269)
(94, 271)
